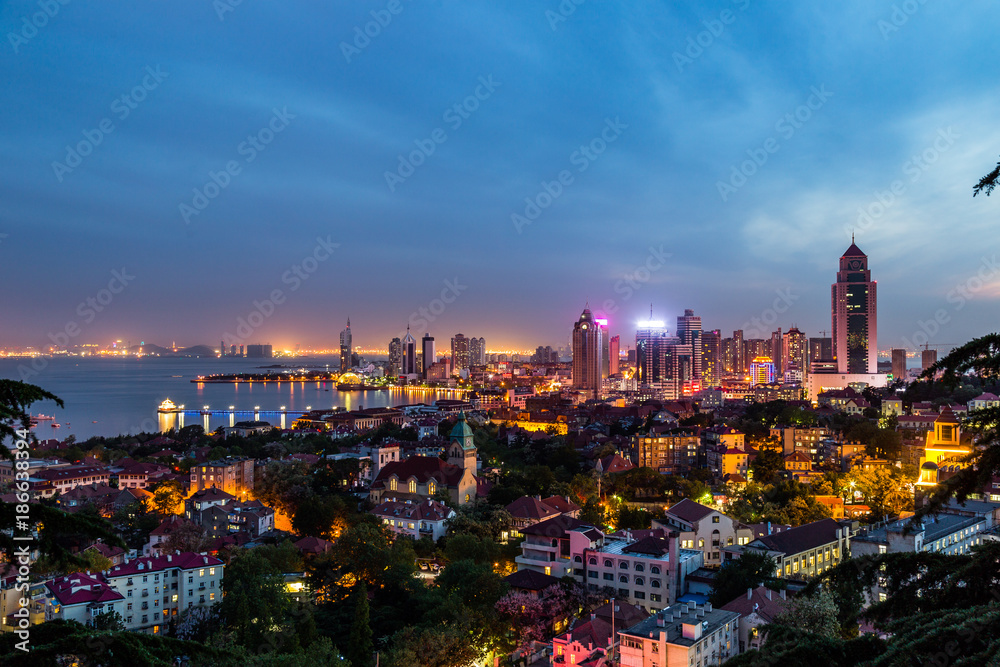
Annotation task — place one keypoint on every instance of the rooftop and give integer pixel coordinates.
(673, 619)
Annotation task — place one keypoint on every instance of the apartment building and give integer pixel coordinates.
(155, 589)
(683, 635)
(669, 452)
(234, 475)
(705, 529)
(803, 552)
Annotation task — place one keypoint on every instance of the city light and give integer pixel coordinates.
(651, 324)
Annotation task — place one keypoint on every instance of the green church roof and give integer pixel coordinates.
(462, 432)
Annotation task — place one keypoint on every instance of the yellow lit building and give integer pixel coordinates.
(943, 450)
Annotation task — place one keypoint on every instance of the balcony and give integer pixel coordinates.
(145, 594)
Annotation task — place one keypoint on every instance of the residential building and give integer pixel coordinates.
(555, 547)
(689, 331)
(529, 510)
(409, 354)
(898, 363)
(614, 354)
(460, 352)
(757, 608)
(415, 520)
(156, 589)
(82, 597)
(984, 401)
(944, 451)
(803, 552)
(705, 529)
(233, 475)
(683, 634)
(590, 641)
(395, 366)
(794, 439)
(135, 475)
(51, 481)
(670, 452)
(711, 358)
(644, 568)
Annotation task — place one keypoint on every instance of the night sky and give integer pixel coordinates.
(627, 127)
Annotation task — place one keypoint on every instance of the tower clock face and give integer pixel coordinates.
(855, 264)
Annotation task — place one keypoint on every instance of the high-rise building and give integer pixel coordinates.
(820, 349)
(794, 354)
(776, 352)
(428, 352)
(409, 354)
(711, 358)
(898, 364)
(345, 347)
(606, 347)
(477, 351)
(395, 356)
(259, 351)
(928, 358)
(587, 348)
(854, 315)
(740, 357)
(761, 371)
(459, 352)
(754, 348)
(650, 342)
(689, 331)
(222, 349)
(614, 353)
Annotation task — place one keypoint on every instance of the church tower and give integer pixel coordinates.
(462, 451)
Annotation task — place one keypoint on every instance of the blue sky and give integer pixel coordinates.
(693, 90)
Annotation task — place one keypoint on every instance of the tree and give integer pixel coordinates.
(284, 485)
(16, 399)
(186, 537)
(767, 465)
(980, 357)
(735, 576)
(359, 648)
(255, 603)
(167, 497)
(987, 182)
(883, 488)
(366, 552)
(321, 517)
(816, 613)
(110, 621)
(471, 547)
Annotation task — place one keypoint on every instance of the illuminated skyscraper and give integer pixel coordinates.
(345, 347)
(776, 352)
(409, 354)
(650, 342)
(395, 356)
(459, 352)
(793, 354)
(761, 371)
(855, 321)
(427, 347)
(689, 331)
(587, 347)
(477, 351)
(606, 347)
(820, 349)
(711, 358)
(614, 352)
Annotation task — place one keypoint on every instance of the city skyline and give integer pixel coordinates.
(690, 162)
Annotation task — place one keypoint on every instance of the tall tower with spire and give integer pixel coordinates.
(409, 353)
(587, 349)
(346, 348)
(854, 314)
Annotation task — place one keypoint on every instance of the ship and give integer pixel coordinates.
(167, 406)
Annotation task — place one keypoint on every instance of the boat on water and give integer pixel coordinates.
(43, 418)
(56, 425)
(167, 406)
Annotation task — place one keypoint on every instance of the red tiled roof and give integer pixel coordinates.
(689, 511)
(429, 510)
(313, 545)
(530, 580)
(184, 561)
(529, 507)
(765, 602)
(561, 504)
(80, 588)
(423, 469)
(170, 524)
(105, 550)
